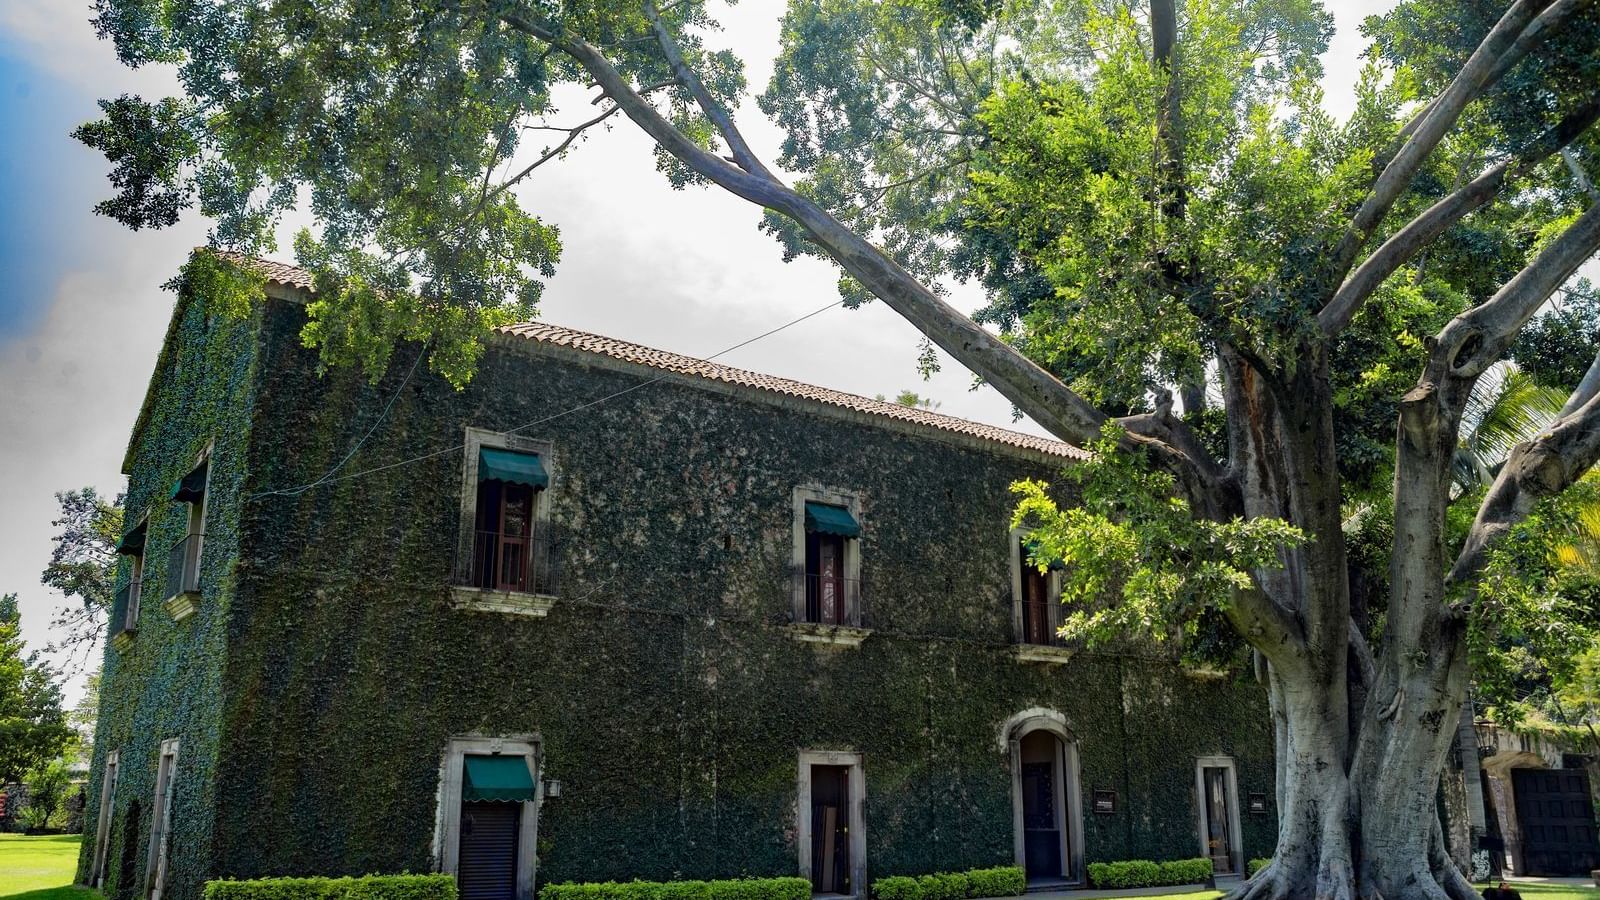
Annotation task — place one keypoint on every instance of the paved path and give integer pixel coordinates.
(1223, 884)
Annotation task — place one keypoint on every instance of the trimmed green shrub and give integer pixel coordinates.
(727, 889)
(367, 887)
(1132, 873)
(1185, 871)
(1128, 873)
(1256, 865)
(1001, 881)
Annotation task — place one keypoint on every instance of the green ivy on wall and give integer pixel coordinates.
(327, 669)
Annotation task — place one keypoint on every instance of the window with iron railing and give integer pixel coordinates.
(511, 549)
(125, 610)
(1038, 596)
(826, 593)
(183, 567)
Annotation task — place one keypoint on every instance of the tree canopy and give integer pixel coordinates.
(33, 728)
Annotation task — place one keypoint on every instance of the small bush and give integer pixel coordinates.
(1001, 881)
(1256, 865)
(897, 887)
(1129, 873)
(1185, 871)
(368, 887)
(1133, 873)
(727, 889)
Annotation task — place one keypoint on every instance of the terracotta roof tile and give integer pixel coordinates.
(627, 351)
(638, 354)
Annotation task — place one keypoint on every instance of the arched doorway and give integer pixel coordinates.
(1047, 804)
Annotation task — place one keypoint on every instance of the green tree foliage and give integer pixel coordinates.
(1557, 348)
(47, 792)
(33, 728)
(1154, 198)
(83, 567)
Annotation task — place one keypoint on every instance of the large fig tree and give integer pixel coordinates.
(1152, 195)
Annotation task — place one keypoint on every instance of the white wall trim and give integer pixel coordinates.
(1235, 835)
(832, 496)
(109, 772)
(1014, 538)
(497, 601)
(161, 819)
(447, 809)
(858, 826)
(1069, 789)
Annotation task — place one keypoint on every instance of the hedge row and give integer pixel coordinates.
(1134, 873)
(1256, 865)
(727, 889)
(1001, 881)
(368, 887)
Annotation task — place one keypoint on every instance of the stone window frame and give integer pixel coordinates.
(1235, 832)
(161, 816)
(182, 606)
(854, 761)
(850, 635)
(1038, 653)
(447, 812)
(478, 599)
(110, 771)
(1069, 793)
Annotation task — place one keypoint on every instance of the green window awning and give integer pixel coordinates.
(1029, 547)
(825, 519)
(495, 464)
(132, 543)
(191, 487)
(497, 778)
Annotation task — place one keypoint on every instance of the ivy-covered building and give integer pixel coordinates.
(608, 613)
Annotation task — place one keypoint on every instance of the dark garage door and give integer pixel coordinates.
(1557, 820)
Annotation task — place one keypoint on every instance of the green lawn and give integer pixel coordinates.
(1551, 891)
(40, 868)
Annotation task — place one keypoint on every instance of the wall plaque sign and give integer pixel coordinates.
(1105, 801)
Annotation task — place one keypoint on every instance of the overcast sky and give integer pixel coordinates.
(82, 318)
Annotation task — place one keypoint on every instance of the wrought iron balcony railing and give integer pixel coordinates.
(828, 599)
(524, 564)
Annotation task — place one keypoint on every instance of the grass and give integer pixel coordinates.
(40, 868)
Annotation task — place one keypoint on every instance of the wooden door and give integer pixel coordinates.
(826, 599)
(515, 538)
(1043, 818)
(830, 829)
(1036, 627)
(486, 864)
(1557, 821)
(1219, 816)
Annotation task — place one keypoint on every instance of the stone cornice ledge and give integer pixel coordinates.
(1043, 653)
(507, 602)
(836, 635)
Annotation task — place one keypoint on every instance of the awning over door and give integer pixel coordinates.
(497, 778)
(496, 464)
(825, 519)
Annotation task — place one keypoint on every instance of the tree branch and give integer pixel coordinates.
(1474, 340)
(1036, 392)
(1421, 231)
(1495, 54)
(742, 154)
(1542, 467)
(1163, 44)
